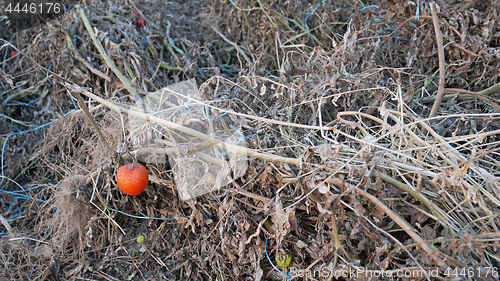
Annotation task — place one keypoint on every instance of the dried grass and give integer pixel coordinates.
(331, 95)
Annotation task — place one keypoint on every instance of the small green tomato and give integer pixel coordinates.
(141, 239)
(283, 260)
(210, 178)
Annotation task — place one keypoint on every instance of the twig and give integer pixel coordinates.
(6, 225)
(84, 62)
(401, 246)
(76, 94)
(471, 56)
(105, 56)
(277, 122)
(484, 98)
(238, 49)
(490, 90)
(219, 143)
(442, 69)
(417, 195)
(430, 250)
(336, 237)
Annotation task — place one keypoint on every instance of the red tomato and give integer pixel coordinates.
(132, 179)
(141, 22)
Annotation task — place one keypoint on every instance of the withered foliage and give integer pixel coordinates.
(379, 187)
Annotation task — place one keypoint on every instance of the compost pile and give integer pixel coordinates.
(329, 101)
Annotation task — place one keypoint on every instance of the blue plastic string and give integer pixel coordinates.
(200, 71)
(73, 100)
(17, 215)
(48, 70)
(140, 217)
(364, 8)
(274, 77)
(417, 15)
(17, 133)
(175, 47)
(415, 26)
(18, 194)
(26, 104)
(287, 276)
(48, 226)
(309, 13)
(291, 25)
(242, 137)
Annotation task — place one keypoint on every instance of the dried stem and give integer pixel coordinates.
(105, 56)
(217, 142)
(430, 250)
(442, 69)
(6, 225)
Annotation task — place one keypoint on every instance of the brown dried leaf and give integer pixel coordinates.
(281, 222)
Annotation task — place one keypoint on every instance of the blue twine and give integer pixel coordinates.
(242, 136)
(206, 117)
(48, 70)
(287, 276)
(272, 76)
(29, 189)
(175, 47)
(417, 15)
(216, 149)
(307, 27)
(308, 14)
(211, 119)
(415, 26)
(18, 194)
(48, 226)
(201, 72)
(37, 99)
(364, 8)
(14, 216)
(140, 217)
(27, 104)
(73, 100)
(17, 133)
(15, 195)
(17, 215)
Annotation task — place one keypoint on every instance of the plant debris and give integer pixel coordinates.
(327, 101)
